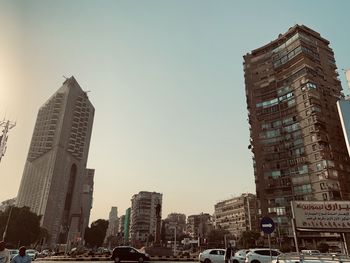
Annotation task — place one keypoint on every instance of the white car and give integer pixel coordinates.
(261, 255)
(216, 255)
(32, 253)
(239, 256)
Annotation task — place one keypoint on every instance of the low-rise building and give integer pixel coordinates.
(174, 220)
(237, 215)
(198, 226)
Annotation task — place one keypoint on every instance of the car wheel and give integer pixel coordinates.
(235, 261)
(116, 260)
(255, 261)
(141, 260)
(207, 260)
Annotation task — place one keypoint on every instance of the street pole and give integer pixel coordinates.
(345, 244)
(175, 241)
(268, 235)
(7, 224)
(294, 228)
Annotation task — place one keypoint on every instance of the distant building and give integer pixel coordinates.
(121, 229)
(174, 220)
(143, 221)
(113, 222)
(127, 225)
(7, 203)
(54, 182)
(237, 215)
(199, 225)
(87, 198)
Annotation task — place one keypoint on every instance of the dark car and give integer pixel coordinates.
(128, 254)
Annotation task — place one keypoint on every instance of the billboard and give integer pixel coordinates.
(327, 216)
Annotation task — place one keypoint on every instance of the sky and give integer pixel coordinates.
(166, 80)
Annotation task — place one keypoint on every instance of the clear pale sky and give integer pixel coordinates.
(166, 80)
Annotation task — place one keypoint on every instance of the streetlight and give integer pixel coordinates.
(7, 224)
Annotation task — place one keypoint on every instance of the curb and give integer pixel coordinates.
(79, 258)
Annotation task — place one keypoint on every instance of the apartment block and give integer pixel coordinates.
(237, 215)
(298, 147)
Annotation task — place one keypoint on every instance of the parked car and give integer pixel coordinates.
(32, 253)
(239, 256)
(13, 252)
(216, 255)
(44, 253)
(309, 258)
(311, 252)
(129, 254)
(261, 255)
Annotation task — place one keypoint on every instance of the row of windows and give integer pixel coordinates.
(287, 57)
(275, 101)
(278, 123)
(278, 210)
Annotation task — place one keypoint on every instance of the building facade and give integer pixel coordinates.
(237, 215)
(199, 226)
(87, 196)
(54, 176)
(292, 87)
(127, 225)
(143, 219)
(172, 221)
(113, 222)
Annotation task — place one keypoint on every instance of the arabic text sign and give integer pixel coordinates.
(332, 216)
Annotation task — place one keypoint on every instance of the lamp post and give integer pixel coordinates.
(7, 224)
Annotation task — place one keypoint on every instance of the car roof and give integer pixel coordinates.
(263, 248)
(211, 249)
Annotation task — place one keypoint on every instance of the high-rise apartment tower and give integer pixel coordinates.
(143, 218)
(292, 87)
(54, 182)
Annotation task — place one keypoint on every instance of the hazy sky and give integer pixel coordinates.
(166, 80)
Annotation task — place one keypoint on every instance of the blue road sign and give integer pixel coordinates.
(267, 225)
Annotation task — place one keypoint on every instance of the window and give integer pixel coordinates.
(302, 189)
(322, 186)
(325, 196)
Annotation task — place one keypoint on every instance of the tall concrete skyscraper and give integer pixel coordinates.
(56, 183)
(292, 88)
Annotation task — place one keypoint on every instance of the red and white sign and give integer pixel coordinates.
(330, 216)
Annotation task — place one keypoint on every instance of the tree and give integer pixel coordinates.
(23, 228)
(95, 234)
(248, 239)
(217, 236)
